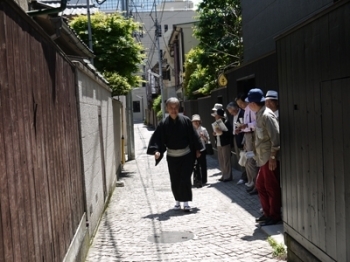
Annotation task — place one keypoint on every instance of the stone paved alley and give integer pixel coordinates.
(140, 225)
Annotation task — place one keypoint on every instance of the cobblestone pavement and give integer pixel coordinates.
(140, 225)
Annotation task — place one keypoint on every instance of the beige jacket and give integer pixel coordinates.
(267, 135)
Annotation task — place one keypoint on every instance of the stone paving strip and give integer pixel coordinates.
(140, 225)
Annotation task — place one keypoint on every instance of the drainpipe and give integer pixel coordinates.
(49, 11)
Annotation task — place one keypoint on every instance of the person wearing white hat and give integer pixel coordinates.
(203, 134)
(215, 108)
(271, 101)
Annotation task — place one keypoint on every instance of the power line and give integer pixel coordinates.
(162, 12)
(148, 33)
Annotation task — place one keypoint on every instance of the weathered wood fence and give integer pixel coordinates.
(41, 183)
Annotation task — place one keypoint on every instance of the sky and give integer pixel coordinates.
(196, 2)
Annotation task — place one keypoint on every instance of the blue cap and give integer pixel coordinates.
(255, 95)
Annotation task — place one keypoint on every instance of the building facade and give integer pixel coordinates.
(181, 42)
(168, 15)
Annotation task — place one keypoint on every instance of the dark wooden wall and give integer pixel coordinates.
(314, 77)
(264, 20)
(261, 73)
(41, 181)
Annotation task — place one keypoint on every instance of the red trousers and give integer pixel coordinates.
(268, 186)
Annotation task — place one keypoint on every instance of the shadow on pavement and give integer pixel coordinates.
(257, 235)
(149, 128)
(216, 174)
(237, 193)
(171, 213)
(125, 174)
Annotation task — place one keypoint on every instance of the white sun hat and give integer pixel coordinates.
(271, 94)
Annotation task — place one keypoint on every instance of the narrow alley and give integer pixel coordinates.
(140, 225)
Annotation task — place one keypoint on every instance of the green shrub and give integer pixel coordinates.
(279, 250)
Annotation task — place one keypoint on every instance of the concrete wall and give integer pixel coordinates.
(100, 159)
(265, 19)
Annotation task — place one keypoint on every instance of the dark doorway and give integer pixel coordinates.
(136, 107)
(245, 84)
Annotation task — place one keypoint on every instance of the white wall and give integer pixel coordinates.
(93, 93)
(139, 94)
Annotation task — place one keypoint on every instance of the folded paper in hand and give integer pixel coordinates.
(219, 124)
(249, 154)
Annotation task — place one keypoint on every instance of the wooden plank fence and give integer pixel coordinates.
(41, 181)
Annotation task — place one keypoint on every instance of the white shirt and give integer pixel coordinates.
(249, 119)
(277, 114)
(203, 130)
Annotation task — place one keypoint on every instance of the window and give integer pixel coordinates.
(165, 28)
(143, 82)
(136, 106)
(159, 31)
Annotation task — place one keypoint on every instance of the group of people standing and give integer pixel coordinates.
(252, 132)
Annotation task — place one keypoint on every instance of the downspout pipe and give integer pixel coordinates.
(49, 11)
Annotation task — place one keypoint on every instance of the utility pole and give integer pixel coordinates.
(89, 28)
(160, 78)
(129, 106)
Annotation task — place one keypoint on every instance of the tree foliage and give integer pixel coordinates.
(118, 83)
(196, 77)
(157, 106)
(219, 29)
(118, 55)
(220, 45)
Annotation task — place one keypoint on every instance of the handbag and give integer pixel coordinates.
(209, 149)
(197, 174)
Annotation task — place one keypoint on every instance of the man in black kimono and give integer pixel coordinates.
(176, 135)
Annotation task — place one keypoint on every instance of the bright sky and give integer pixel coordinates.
(195, 3)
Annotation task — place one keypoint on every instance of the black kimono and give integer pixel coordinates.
(177, 134)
